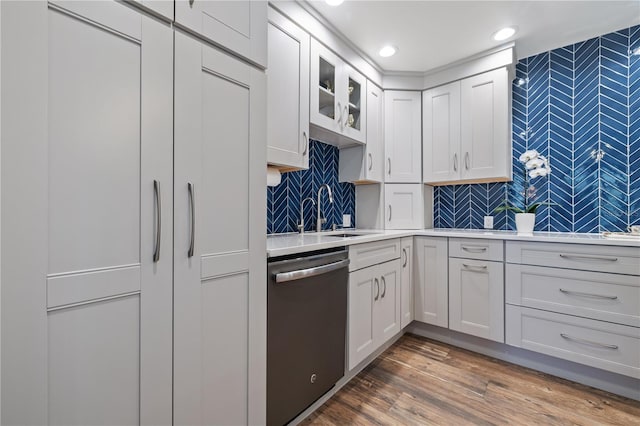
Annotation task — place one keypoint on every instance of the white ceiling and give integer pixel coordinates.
(431, 34)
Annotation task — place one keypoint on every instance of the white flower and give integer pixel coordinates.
(536, 163)
(528, 155)
(541, 171)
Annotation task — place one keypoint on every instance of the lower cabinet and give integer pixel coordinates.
(431, 297)
(374, 308)
(476, 298)
(406, 282)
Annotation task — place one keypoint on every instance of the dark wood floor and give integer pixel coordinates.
(419, 381)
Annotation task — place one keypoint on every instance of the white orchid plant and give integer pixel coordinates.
(535, 165)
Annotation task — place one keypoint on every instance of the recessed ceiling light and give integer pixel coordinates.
(334, 2)
(387, 51)
(504, 33)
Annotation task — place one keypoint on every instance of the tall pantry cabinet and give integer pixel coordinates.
(105, 318)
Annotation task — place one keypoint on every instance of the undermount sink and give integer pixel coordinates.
(344, 235)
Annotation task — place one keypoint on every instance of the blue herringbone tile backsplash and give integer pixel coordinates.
(283, 201)
(579, 106)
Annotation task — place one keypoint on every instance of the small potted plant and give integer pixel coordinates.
(535, 165)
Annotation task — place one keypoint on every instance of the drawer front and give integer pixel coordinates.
(368, 254)
(611, 347)
(599, 258)
(472, 248)
(596, 295)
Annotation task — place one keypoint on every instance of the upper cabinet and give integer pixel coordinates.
(402, 136)
(287, 94)
(366, 164)
(237, 26)
(338, 101)
(466, 130)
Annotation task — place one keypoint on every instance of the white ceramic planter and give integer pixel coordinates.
(525, 223)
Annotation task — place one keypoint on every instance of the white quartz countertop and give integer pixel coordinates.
(286, 244)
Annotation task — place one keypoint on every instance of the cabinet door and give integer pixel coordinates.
(403, 136)
(239, 26)
(326, 99)
(364, 291)
(404, 206)
(354, 111)
(386, 310)
(476, 298)
(86, 306)
(485, 138)
(431, 281)
(406, 295)
(374, 160)
(441, 133)
(219, 291)
(287, 94)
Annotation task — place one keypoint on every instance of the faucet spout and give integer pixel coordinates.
(301, 226)
(320, 219)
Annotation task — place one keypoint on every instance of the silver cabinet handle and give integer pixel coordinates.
(311, 272)
(476, 267)
(587, 257)
(588, 342)
(406, 258)
(455, 162)
(581, 294)
(473, 249)
(384, 289)
(191, 2)
(192, 204)
(158, 202)
(389, 212)
(306, 143)
(370, 161)
(466, 160)
(389, 161)
(377, 284)
(346, 114)
(340, 112)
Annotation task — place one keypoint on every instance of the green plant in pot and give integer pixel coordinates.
(535, 165)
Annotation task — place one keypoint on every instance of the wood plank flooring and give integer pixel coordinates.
(418, 381)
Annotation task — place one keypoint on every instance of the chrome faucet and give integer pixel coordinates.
(301, 226)
(322, 220)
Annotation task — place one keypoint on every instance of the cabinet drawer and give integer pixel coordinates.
(599, 344)
(368, 254)
(472, 248)
(599, 258)
(597, 295)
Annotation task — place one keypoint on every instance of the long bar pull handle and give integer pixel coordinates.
(370, 161)
(455, 162)
(588, 342)
(384, 289)
(466, 160)
(306, 143)
(406, 258)
(340, 112)
(473, 249)
(595, 296)
(587, 257)
(192, 203)
(346, 114)
(377, 284)
(390, 212)
(311, 272)
(476, 267)
(158, 202)
(389, 161)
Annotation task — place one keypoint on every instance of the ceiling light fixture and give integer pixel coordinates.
(504, 33)
(334, 2)
(387, 51)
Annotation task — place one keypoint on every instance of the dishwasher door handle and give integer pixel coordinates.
(284, 277)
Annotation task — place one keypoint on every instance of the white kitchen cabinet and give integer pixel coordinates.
(467, 130)
(403, 136)
(406, 282)
(338, 101)
(219, 207)
(431, 296)
(476, 298)
(365, 164)
(287, 94)
(404, 206)
(238, 26)
(87, 141)
(374, 309)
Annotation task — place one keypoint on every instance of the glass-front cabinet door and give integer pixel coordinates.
(325, 102)
(355, 110)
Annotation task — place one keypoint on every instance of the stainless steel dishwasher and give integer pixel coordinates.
(306, 329)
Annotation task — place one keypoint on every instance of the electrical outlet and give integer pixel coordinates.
(346, 221)
(488, 222)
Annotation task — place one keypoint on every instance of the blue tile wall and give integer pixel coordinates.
(283, 201)
(579, 106)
